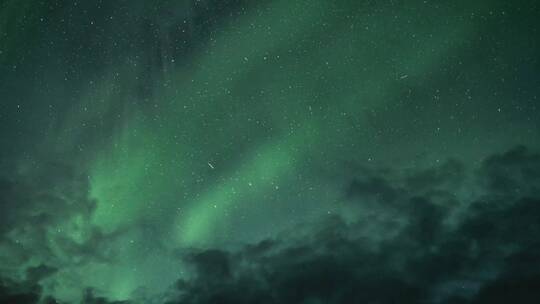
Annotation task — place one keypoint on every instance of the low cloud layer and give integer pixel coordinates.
(446, 234)
(442, 235)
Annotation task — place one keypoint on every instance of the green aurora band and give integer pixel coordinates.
(208, 159)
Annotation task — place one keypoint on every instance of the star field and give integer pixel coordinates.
(269, 151)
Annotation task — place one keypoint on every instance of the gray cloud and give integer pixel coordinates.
(422, 258)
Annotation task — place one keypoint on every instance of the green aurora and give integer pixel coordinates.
(146, 130)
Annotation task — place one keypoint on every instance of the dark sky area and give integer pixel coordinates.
(273, 151)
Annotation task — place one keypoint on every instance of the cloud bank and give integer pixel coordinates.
(446, 234)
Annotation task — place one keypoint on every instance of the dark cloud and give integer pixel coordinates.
(36, 273)
(27, 292)
(440, 235)
(90, 298)
(18, 293)
(444, 248)
(38, 234)
(515, 173)
(519, 282)
(42, 200)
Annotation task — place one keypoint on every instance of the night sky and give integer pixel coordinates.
(273, 151)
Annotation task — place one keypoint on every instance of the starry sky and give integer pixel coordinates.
(273, 151)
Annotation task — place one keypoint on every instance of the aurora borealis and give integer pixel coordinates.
(274, 151)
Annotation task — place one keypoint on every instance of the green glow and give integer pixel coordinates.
(257, 175)
(151, 169)
(120, 180)
(276, 91)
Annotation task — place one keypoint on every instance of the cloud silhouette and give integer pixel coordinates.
(431, 244)
(445, 234)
